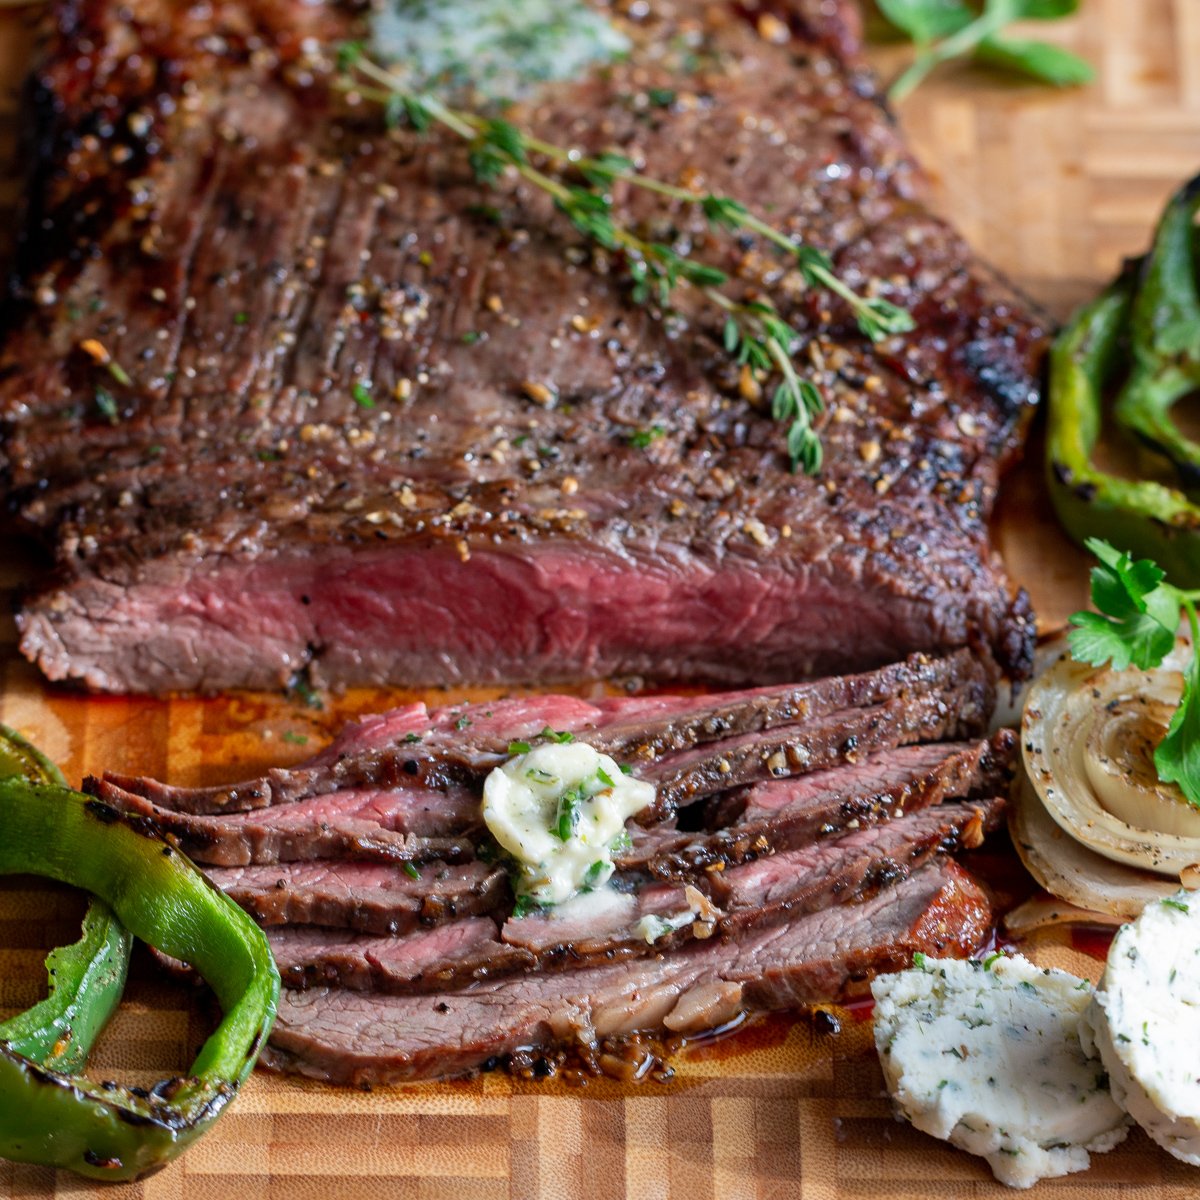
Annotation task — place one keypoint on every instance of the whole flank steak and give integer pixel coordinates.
(794, 866)
(286, 392)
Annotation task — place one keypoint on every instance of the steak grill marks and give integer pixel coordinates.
(254, 255)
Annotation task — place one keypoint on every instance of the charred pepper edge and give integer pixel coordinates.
(107, 1131)
(86, 978)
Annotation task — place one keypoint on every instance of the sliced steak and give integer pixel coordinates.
(417, 823)
(343, 1036)
(378, 898)
(609, 926)
(352, 824)
(432, 960)
(461, 744)
(840, 737)
(258, 257)
(784, 814)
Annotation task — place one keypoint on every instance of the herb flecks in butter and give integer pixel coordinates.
(499, 48)
(560, 810)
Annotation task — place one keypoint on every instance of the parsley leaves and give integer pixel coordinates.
(1139, 616)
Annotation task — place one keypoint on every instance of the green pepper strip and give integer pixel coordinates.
(86, 979)
(1165, 338)
(1141, 517)
(104, 1130)
(86, 982)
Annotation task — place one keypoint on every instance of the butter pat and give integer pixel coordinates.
(1145, 1022)
(991, 1060)
(558, 810)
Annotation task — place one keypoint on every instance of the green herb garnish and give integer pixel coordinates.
(119, 373)
(518, 748)
(604, 777)
(361, 395)
(295, 739)
(412, 870)
(524, 905)
(567, 815)
(302, 691)
(554, 735)
(621, 843)
(107, 404)
(1136, 626)
(1171, 902)
(640, 439)
(948, 29)
(755, 334)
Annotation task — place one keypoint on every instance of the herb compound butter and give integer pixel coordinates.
(560, 811)
(1145, 1022)
(501, 48)
(988, 1056)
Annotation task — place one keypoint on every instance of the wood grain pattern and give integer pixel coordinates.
(1055, 188)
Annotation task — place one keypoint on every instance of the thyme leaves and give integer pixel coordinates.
(754, 333)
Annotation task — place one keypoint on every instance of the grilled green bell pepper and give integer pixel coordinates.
(104, 1130)
(86, 978)
(1137, 332)
(1164, 339)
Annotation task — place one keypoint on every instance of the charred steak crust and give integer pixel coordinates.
(253, 254)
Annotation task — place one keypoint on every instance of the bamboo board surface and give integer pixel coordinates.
(1054, 188)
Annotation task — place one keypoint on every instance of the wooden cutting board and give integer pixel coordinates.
(1054, 188)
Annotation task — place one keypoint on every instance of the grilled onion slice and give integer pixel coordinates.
(1088, 738)
(1068, 869)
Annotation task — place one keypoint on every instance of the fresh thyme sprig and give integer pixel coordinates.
(949, 29)
(754, 332)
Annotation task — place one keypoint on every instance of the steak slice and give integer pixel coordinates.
(378, 898)
(785, 814)
(429, 960)
(258, 257)
(843, 737)
(351, 824)
(360, 1038)
(610, 925)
